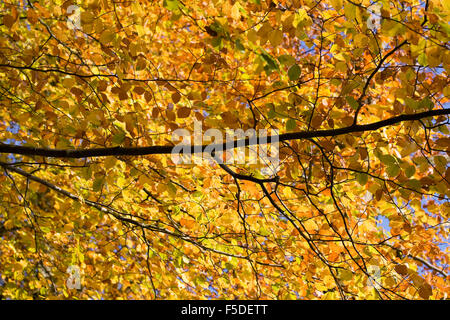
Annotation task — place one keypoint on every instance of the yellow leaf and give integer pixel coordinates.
(110, 162)
(121, 182)
(9, 224)
(252, 36)
(87, 17)
(141, 64)
(446, 5)
(68, 82)
(337, 4)
(349, 11)
(361, 40)
(345, 275)
(235, 14)
(68, 227)
(107, 37)
(276, 37)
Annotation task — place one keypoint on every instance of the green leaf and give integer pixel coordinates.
(218, 28)
(414, 184)
(422, 59)
(352, 102)
(345, 275)
(410, 170)
(97, 185)
(388, 160)
(393, 170)
(197, 194)
(294, 72)
(411, 103)
(171, 189)
(290, 125)
(286, 60)
(229, 266)
(350, 11)
(217, 43)
(264, 232)
(271, 63)
(118, 138)
(271, 114)
(172, 5)
(335, 82)
(44, 229)
(239, 45)
(426, 103)
(362, 178)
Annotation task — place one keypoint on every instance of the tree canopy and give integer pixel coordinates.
(93, 205)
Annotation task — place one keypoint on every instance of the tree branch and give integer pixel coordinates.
(135, 151)
(121, 216)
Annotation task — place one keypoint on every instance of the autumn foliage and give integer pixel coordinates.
(358, 207)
